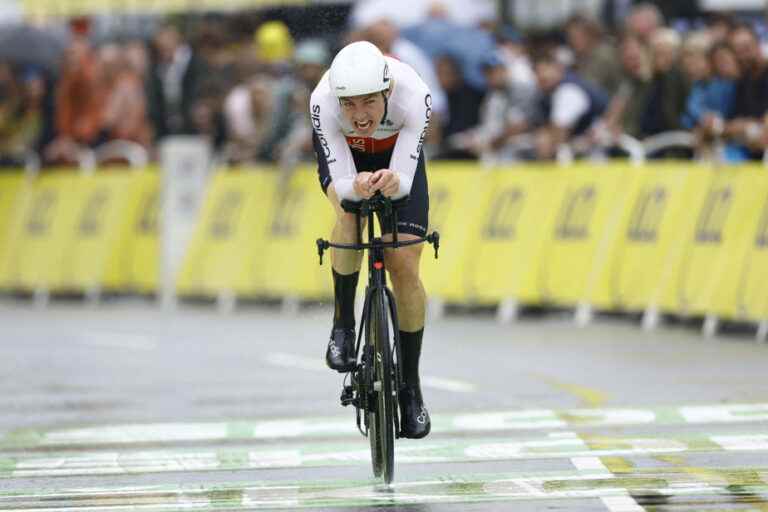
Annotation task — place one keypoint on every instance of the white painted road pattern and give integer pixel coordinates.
(125, 408)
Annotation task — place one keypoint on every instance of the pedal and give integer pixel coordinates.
(348, 396)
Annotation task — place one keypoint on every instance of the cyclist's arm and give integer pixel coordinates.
(405, 157)
(332, 150)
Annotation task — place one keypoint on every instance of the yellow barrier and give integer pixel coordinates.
(46, 220)
(716, 245)
(516, 214)
(646, 249)
(578, 243)
(456, 195)
(12, 186)
(98, 251)
(288, 265)
(144, 250)
(224, 253)
(741, 274)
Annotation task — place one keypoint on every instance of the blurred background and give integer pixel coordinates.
(163, 149)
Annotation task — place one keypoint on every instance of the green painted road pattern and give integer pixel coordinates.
(126, 408)
(343, 426)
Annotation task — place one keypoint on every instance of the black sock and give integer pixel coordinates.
(410, 344)
(344, 287)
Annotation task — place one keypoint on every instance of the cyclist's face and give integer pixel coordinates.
(364, 112)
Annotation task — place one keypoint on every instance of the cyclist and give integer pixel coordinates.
(370, 115)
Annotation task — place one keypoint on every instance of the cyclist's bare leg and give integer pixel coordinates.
(344, 232)
(403, 267)
(340, 355)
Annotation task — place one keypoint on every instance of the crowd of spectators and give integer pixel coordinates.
(498, 94)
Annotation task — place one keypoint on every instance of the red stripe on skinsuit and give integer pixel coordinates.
(371, 145)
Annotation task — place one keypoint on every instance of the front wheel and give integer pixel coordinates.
(381, 428)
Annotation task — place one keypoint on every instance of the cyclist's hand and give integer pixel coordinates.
(362, 185)
(387, 181)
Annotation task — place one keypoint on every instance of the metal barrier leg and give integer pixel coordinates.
(709, 329)
(435, 308)
(584, 314)
(41, 298)
(651, 318)
(226, 302)
(291, 305)
(93, 296)
(507, 311)
(762, 331)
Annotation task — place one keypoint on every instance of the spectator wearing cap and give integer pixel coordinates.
(506, 114)
(594, 57)
(569, 106)
(274, 47)
(748, 123)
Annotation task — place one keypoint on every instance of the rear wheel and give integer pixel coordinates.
(381, 428)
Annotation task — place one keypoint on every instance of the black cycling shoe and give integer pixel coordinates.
(414, 418)
(340, 355)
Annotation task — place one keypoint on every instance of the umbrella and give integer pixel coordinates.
(27, 45)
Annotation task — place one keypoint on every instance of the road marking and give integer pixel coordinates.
(615, 492)
(590, 397)
(443, 384)
(343, 426)
(122, 340)
(607, 456)
(286, 360)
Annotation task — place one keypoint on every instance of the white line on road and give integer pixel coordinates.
(285, 360)
(112, 339)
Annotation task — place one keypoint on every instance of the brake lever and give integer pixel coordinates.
(322, 245)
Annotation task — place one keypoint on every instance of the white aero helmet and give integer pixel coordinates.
(359, 68)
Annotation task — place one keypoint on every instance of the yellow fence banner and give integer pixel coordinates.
(41, 232)
(515, 217)
(223, 253)
(456, 194)
(714, 252)
(646, 251)
(144, 250)
(12, 185)
(579, 241)
(288, 264)
(741, 272)
(98, 250)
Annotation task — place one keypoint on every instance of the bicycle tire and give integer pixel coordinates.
(381, 430)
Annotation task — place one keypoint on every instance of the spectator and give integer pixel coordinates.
(22, 113)
(507, 112)
(125, 104)
(569, 106)
(626, 108)
(719, 26)
(594, 57)
(463, 105)
(174, 78)
(79, 104)
(382, 32)
(310, 60)
(720, 101)
(669, 87)
(250, 116)
(747, 124)
(643, 21)
(515, 56)
(274, 48)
